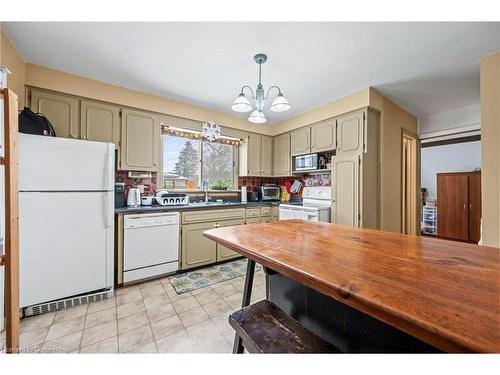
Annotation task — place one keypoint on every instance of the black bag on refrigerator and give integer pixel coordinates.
(35, 123)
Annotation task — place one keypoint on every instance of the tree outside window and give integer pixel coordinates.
(188, 161)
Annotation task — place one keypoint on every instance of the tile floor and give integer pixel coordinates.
(146, 318)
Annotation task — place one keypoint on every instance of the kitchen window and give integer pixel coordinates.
(186, 161)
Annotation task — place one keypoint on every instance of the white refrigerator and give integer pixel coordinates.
(66, 209)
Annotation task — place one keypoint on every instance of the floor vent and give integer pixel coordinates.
(67, 303)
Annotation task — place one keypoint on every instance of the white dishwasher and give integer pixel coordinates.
(150, 245)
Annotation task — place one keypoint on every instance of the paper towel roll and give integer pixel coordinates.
(243, 194)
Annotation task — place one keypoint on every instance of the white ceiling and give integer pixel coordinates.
(424, 67)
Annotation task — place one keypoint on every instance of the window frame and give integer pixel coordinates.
(235, 166)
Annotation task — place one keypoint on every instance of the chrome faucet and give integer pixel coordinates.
(205, 188)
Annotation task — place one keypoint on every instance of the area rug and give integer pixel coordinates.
(203, 277)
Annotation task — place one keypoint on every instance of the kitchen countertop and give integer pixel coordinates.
(194, 206)
(445, 293)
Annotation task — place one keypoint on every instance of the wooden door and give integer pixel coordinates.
(350, 131)
(253, 156)
(62, 111)
(452, 206)
(300, 141)
(100, 122)
(266, 156)
(474, 193)
(197, 250)
(345, 190)
(281, 156)
(323, 136)
(140, 146)
(223, 253)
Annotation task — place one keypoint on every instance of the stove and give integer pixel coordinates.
(316, 205)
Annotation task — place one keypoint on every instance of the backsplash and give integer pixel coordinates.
(149, 183)
(318, 180)
(252, 183)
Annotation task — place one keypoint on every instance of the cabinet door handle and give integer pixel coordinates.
(216, 225)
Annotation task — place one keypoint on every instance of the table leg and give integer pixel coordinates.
(247, 293)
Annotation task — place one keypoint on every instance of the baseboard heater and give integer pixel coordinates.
(67, 302)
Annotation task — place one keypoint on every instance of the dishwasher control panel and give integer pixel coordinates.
(150, 220)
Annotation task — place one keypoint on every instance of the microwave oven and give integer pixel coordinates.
(306, 162)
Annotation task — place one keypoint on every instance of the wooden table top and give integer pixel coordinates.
(445, 293)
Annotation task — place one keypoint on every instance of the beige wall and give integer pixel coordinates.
(490, 148)
(12, 60)
(392, 120)
(349, 103)
(43, 77)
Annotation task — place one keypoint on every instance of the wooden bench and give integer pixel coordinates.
(264, 328)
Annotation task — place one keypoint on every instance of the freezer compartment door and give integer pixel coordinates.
(66, 244)
(49, 164)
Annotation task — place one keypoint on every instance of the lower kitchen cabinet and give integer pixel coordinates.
(197, 250)
(223, 253)
(275, 213)
(267, 219)
(253, 220)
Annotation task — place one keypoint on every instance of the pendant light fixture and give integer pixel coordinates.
(243, 104)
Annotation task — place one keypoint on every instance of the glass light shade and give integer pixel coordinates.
(280, 104)
(241, 104)
(257, 117)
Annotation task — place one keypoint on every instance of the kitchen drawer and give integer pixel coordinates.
(253, 212)
(212, 215)
(253, 220)
(265, 211)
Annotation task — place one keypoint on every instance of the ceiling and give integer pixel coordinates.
(424, 67)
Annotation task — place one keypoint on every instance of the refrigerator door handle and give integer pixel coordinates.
(108, 173)
(106, 209)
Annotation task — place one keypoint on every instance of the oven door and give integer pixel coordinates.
(288, 213)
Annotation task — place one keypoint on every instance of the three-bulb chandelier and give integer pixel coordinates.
(242, 102)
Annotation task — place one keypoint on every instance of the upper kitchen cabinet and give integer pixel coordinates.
(282, 161)
(300, 141)
(253, 155)
(323, 136)
(140, 145)
(256, 156)
(319, 137)
(355, 177)
(100, 122)
(350, 133)
(61, 110)
(266, 156)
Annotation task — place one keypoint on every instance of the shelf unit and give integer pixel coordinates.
(429, 220)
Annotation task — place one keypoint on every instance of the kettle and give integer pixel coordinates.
(134, 197)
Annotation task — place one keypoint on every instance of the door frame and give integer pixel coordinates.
(410, 182)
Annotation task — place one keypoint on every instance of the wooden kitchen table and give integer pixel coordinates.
(443, 293)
